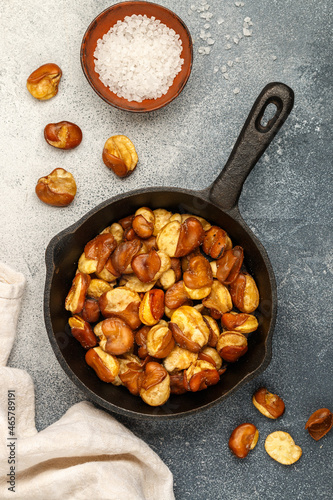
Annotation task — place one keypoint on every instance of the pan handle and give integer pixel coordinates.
(251, 144)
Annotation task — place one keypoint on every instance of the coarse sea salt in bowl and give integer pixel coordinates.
(137, 56)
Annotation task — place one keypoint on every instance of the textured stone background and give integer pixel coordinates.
(286, 200)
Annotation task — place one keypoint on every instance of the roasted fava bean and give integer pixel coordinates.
(122, 303)
(43, 82)
(239, 322)
(122, 256)
(82, 331)
(77, 294)
(244, 293)
(57, 189)
(176, 296)
(143, 222)
(200, 375)
(146, 265)
(91, 310)
(116, 337)
(152, 307)
(231, 346)
(131, 373)
(268, 404)
(211, 356)
(100, 249)
(155, 388)
(219, 298)
(320, 423)
(228, 266)
(191, 235)
(216, 242)
(105, 365)
(243, 439)
(281, 447)
(179, 359)
(167, 238)
(63, 135)
(198, 274)
(141, 341)
(97, 287)
(160, 341)
(119, 155)
(189, 329)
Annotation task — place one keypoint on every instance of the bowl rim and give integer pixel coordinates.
(50, 268)
(90, 80)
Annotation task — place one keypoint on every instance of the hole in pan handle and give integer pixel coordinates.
(253, 140)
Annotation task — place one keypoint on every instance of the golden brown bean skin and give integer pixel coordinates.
(243, 439)
(320, 423)
(43, 82)
(57, 189)
(63, 135)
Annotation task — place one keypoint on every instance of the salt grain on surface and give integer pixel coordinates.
(139, 58)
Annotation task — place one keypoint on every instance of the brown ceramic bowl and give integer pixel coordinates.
(101, 25)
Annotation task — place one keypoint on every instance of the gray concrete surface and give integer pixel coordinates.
(286, 200)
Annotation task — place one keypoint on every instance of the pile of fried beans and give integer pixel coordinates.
(162, 303)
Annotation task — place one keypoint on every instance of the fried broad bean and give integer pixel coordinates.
(141, 341)
(191, 235)
(167, 238)
(43, 82)
(146, 265)
(216, 242)
(229, 265)
(116, 337)
(179, 359)
(155, 387)
(205, 224)
(124, 253)
(152, 307)
(97, 287)
(123, 303)
(82, 331)
(219, 298)
(162, 217)
(268, 404)
(176, 296)
(198, 274)
(119, 155)
(105, 365)
(200, 375)
(281, 447)
(131, 373)
(189, 329)
(57, 189)
(231, 346)
(160, 341)
(319, 423)
(243, 439)
(244, 293)
(76, 297)
(211, 356)
(100, 249)
(63, 135)
(239, 322)
(91, 310)
(143, 222)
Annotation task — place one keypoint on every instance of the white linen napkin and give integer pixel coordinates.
(86, 454)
